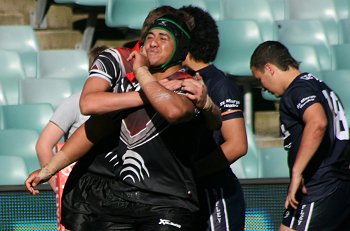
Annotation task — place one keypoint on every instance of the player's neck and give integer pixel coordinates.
(171, 70)
(290, 76)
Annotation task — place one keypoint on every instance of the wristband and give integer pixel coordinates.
(208, 106)
(143, 76)
(58, 162)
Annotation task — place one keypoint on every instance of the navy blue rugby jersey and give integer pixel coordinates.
(328, 164)
(223, 91)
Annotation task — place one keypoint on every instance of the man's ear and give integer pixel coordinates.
(270, 68)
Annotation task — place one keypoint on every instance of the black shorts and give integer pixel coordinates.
(92, 205)
(222, 205)
(330, 213)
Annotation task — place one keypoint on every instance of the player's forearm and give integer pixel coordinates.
(97, 103)
(173, 107)
(311, 139)
(212, 115)
(74, 148)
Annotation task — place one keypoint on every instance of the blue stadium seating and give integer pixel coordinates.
(26, 116)
(129, 14)
(278, 9)
(180, 3)
(238, 40)
(339, 81)
(13, 170)
(306, 32)
(11, 73)
(64, 63)
(307, 56)
(3, 100)
(273, 162)
(340, 56)
(215, 8)
(257, 10)
(20, 142)
(23, 40)
(44, 91)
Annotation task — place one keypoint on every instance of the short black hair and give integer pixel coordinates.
(273, 52)
(204, 36)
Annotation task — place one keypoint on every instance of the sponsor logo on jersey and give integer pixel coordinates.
(168, 222)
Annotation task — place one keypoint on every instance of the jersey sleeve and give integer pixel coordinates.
(301, 98)
(109, 66)
(227, 96)
(66, 112)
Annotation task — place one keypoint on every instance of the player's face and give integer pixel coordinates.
(267, 80)
(159, 46)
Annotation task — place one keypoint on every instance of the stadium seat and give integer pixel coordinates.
(306, 32)
(26, 116)
(238, 40)
(179, 3)
(215, 8)
(345, 28)
(339, 81)
(307, 55)
(65, 64)
(340, 56)
(64, 1)
(323, 10)
(11, 72)
(257, 10)
(128, 14)
(20, 142)
(342, 8)
(312, 9)
(91, 2)
(3, 100)
(266, 95)
(22, 39)
(248, 166)
(273, 161)
(69, 64)
(278, 9)
(1, 119)
(44, 91)
(13, 170)
(83, 2)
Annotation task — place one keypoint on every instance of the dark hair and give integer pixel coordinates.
(94, 52)
(273, 52)
(153, 15)
(204, 36)
(174, 24)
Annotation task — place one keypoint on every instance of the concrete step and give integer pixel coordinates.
(58, 39)
(266, 123)
(12, 18)
(268, 141)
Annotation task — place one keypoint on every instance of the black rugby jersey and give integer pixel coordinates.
(328, 165)
(156, 157)
(151, 156)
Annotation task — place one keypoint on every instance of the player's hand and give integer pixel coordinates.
(139, 59)
(294, 186)
(171, 85)
(195, 90)
(33, 180)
